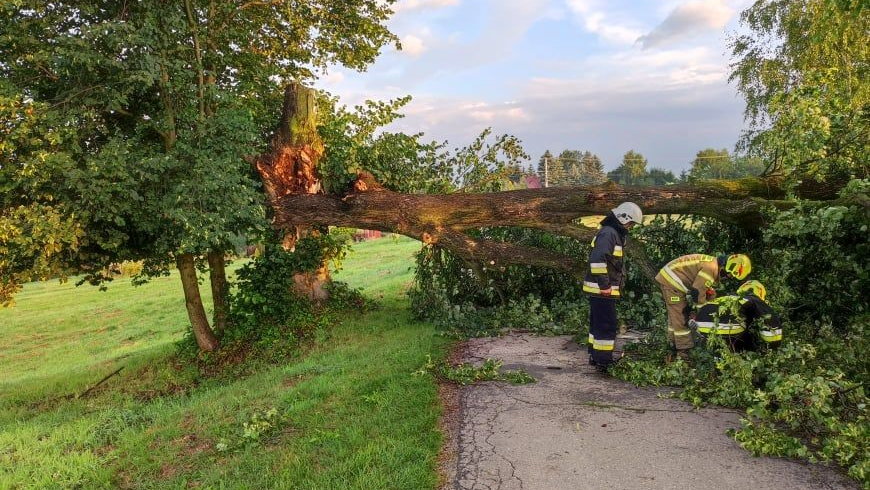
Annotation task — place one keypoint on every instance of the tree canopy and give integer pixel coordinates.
(126, 123)
(802, 67)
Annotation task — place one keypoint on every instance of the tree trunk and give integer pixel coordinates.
(220, 289)
(205, 338)
(291, 167)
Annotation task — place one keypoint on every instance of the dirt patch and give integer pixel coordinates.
(168, 471)
(190, 445)
(292, 381)
(449, 422)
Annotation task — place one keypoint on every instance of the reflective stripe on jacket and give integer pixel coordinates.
(752, 313)
(759, 315)
(714, 318)
(695, 271)
(606, 267)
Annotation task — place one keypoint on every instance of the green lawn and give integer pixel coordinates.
(346, 414)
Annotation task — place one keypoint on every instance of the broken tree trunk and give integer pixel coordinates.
(290, 168)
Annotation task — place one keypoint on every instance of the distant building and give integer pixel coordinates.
(363, 235)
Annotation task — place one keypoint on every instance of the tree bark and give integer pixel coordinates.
(445, 219)
(220, 289)
(203, 333)
(290, 168)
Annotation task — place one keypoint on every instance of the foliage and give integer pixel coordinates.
(802, 68)
(633, 171)
(466, 373)
(260, 426)
(266, 315)
(404, 163)
(472, 299)
(571, 167)
(398, 161)
(817, 258)
(174, 97)
(486, 163)
(719, 164)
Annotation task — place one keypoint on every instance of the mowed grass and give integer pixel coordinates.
(348, 413)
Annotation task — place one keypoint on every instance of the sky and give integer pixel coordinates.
(606, 76)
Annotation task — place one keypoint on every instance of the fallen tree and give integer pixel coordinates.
(289, 173)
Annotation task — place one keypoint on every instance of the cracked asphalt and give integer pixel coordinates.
(576, 429)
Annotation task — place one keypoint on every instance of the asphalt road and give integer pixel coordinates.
(576, 429)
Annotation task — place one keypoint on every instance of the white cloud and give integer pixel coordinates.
(412, 45)
(688, 20)
(411, 5)
(608, 25)
(505, 26)
(502, 113)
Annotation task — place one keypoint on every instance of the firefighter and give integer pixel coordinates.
(694, 276)
(604, 280)
(744, 321)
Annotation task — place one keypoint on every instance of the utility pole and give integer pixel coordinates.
(546, 171)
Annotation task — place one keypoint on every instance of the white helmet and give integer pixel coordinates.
(628, 212)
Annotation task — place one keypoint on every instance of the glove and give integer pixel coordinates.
(711, 294)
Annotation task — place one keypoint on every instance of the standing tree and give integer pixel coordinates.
(658, 176)
(802, 66)
(125, 125)
(719, 164)
(711, 164)
(632, 171)
(592, 170)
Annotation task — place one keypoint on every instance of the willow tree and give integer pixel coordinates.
(803, 67)
(125, 125)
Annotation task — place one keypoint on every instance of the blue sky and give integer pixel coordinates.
(600, 75)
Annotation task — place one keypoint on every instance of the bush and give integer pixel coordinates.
(816, 258)
(472, 300)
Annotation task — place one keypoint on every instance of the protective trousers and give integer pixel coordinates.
(679, 334)
(602, 330)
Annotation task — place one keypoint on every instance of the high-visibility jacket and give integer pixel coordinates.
(690, 272)
(606, 265)
(760, 317)
(747, 316)
(717, 317)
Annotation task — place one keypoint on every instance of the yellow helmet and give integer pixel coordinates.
(754, 287)
(738, 266)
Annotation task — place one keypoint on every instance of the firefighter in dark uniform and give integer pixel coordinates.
(604, 281)
(744, 321)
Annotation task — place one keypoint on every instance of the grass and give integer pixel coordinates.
(346, 414)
